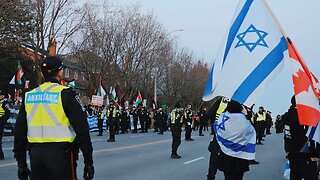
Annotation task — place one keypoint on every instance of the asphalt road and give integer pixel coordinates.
(147, 156)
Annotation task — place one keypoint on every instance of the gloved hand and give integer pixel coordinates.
(88, 172)
(23, 173)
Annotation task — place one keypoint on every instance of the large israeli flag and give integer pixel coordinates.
(254, 52)
(236, 136)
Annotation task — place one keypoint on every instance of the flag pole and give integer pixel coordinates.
(276, 20)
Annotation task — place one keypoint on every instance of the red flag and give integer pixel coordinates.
(306, 89)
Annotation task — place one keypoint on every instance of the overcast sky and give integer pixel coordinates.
(205, 23)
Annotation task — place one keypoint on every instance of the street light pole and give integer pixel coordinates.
(175, 30)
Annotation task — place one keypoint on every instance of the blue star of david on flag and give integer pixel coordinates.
(251, 38)
(221, 125)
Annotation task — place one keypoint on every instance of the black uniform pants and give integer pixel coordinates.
(1, 134)
(268, 127)
(260, 125)
(202, 127)
(303, 168)
(135, 125)
(123, 126)
(52, 162)
(176, 139)
(111, 129)
(162, 125)
(188, 131)
(233, 176)
(143, 124)
(100, 126)
(213, 163)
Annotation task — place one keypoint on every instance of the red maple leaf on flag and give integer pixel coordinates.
(301, 82)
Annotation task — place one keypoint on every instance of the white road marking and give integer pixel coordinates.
(10, 164)
(188, 162)
(137, 136)
(10, 148)
(107, 150)
(133, 146)
(95, 140)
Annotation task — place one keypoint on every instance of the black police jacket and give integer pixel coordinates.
(76, 116)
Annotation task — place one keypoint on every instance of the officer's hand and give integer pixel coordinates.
(23, 173)
(88, 172)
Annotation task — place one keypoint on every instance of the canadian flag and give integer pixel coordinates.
(306, 89)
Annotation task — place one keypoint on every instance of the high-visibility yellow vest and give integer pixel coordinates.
(222, 106)
(188, 114)
(2, 111)
(173, 117)
(113, 112)
(47, 121)
(102, 115)
(252, 117)
(261, 117)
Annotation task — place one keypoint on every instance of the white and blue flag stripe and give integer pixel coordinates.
(254, 53)
(236, 136)
(314, 133)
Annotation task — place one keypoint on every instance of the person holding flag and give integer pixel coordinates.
(237, 140)
(302, 152)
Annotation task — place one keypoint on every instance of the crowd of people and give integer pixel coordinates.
(236, 131)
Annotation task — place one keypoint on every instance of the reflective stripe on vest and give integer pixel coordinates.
(173, 117)
(114, 111)
(261, 117)
(188, 114)
(47, 121)
(222, 107)
(2, 111)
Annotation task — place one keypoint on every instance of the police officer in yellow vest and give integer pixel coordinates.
(188, 116)
(176, 124)
(111, 113)
(260, 124)
(4, 116)
(51, 123)
(100, 115)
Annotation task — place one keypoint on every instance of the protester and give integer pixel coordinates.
(301, 151)
(237, 138)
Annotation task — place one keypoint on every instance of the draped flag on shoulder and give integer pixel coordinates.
(306, 89)
(236, 136)
(253, 55)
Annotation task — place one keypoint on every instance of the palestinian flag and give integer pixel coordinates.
(101, 91)
(112, 93)
(19, 74)
(139, 99)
